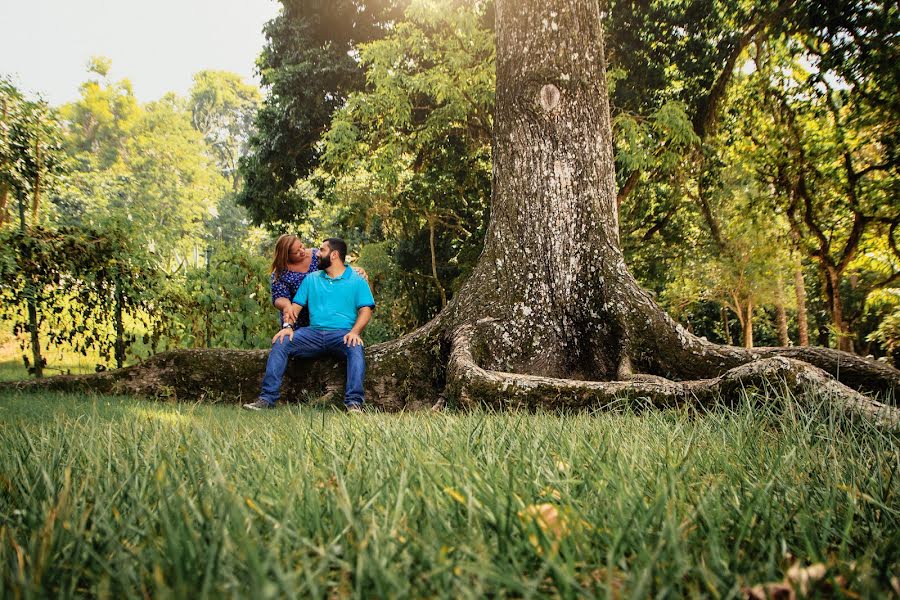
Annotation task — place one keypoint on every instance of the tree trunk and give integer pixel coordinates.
(4, 202)
(843, 339)
(726, 324)
(551, 260)
(551, 316)
(36, 195)
(434, 273)
(781, 313)
(120, 326)
(744, 311)
(34, 331)
(748, 325)
(4, 185)
(802, 322)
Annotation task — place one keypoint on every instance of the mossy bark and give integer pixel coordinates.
(403, 374)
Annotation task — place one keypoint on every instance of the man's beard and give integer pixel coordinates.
(324, 261)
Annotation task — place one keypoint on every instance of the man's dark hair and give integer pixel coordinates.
(339, 245)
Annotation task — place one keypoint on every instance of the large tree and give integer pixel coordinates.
(551, 316)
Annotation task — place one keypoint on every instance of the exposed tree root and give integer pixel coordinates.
(660, 345)
(475, 386)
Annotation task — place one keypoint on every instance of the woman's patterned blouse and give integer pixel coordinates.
(288, 283)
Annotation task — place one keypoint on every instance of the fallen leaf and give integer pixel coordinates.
(769, 591)
(801, 577)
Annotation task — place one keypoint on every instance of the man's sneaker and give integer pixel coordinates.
(258, 405)
(354, 409)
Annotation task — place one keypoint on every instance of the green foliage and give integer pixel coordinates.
(117, 497)
(146, 168)
(309, 67)
(818, 146)
(888, 335)
(83, 283)
(100, 122)
(30, 153)
(172, 185)
(224, 305)
(408, 158)
(223, 108)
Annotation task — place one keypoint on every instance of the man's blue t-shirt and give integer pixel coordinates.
(333, 303)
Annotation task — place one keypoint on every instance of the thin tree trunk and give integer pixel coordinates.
(781, 313)
(843, 339)
(33, 324)
(36, 197)
(748, 325)
(120, 327)
(4, 185)
(434, 272)
(628, 187)
(800, 292)
(4, 202)
(726, 325)
(31, 302)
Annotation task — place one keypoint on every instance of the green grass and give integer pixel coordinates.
(122, 497)
(60, 361)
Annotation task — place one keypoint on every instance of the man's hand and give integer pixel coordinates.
(287, 332)
(353, 339)
(361, 272)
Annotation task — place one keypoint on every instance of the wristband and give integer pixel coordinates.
(286, 325)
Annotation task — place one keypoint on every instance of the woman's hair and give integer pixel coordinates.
(282, 250)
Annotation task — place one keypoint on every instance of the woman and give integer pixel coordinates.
(291, 264)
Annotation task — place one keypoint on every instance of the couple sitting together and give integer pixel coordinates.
(325, 305)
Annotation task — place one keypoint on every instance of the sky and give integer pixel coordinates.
(159, 45)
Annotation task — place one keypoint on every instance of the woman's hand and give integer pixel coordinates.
(290, 314)
(361, 272)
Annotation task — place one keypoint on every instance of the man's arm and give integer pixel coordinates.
(362, 319)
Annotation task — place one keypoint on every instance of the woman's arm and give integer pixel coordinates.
(282, 301)
(288, 312)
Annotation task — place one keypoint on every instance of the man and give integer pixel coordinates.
(340, 305)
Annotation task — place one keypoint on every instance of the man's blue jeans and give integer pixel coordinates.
(307, 343)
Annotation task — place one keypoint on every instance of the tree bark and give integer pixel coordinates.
(726, 325)
(434, 273)
(744, 311)
(36, 195)
(551, 316)
(4, 202)
(843, 337)
(781, 313)
(802, 322)
(4, 185)
(34, 332)
(748, 325)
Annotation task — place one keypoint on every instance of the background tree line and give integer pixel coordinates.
(755, 150)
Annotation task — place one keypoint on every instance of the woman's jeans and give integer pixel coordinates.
(308, 343)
